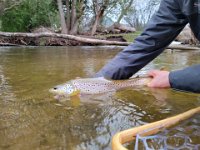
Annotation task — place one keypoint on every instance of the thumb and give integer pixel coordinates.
(153, 73)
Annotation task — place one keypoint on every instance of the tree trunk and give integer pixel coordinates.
(121, 16)
(97, 19)
(74, 29)
(73, 13)
(62, 17)
(78, 15)
(94, 27)
(68, 17)
(99, 11)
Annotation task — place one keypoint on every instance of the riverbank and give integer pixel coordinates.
(56, 39)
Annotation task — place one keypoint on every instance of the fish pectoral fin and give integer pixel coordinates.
(76, 92)
(61, 98)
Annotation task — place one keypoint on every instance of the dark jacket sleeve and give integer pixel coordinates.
(187, 79)
(164, 26)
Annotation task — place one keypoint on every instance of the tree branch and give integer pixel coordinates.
(12, 6)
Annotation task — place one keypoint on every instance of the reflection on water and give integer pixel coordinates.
(30, 118)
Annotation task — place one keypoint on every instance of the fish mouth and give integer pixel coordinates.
(55, 92)
(52, 90)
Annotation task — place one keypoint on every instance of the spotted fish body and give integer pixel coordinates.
(97, 85)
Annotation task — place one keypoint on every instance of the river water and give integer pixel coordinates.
(30, 118)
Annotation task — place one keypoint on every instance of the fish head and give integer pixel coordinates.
(67, 89)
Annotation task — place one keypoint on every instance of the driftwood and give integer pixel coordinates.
(119, 28)
(124, 28)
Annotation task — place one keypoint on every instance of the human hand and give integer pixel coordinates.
(160, 79)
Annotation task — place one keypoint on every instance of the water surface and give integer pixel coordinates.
(30, 118)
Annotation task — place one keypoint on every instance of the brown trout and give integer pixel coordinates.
(97, 85)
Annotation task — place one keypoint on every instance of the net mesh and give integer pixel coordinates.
(185, 136)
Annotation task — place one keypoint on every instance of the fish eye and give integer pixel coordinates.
(55, 88)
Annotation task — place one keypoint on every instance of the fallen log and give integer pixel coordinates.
(124, 28)
(183, 47)
(64, 36)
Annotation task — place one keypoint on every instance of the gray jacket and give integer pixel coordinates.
(162, 29)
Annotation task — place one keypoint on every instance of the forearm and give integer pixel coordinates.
(165, 25)
(187, 79)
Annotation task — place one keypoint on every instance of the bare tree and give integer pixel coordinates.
(125, 6)
(80, 8)
(6, 5)
(142, 13)
(71, 12)
(99, 7)
(74, 12)
(150, 9)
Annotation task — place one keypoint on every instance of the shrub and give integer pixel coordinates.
(28, 15)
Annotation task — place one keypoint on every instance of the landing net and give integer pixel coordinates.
(185, 136)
